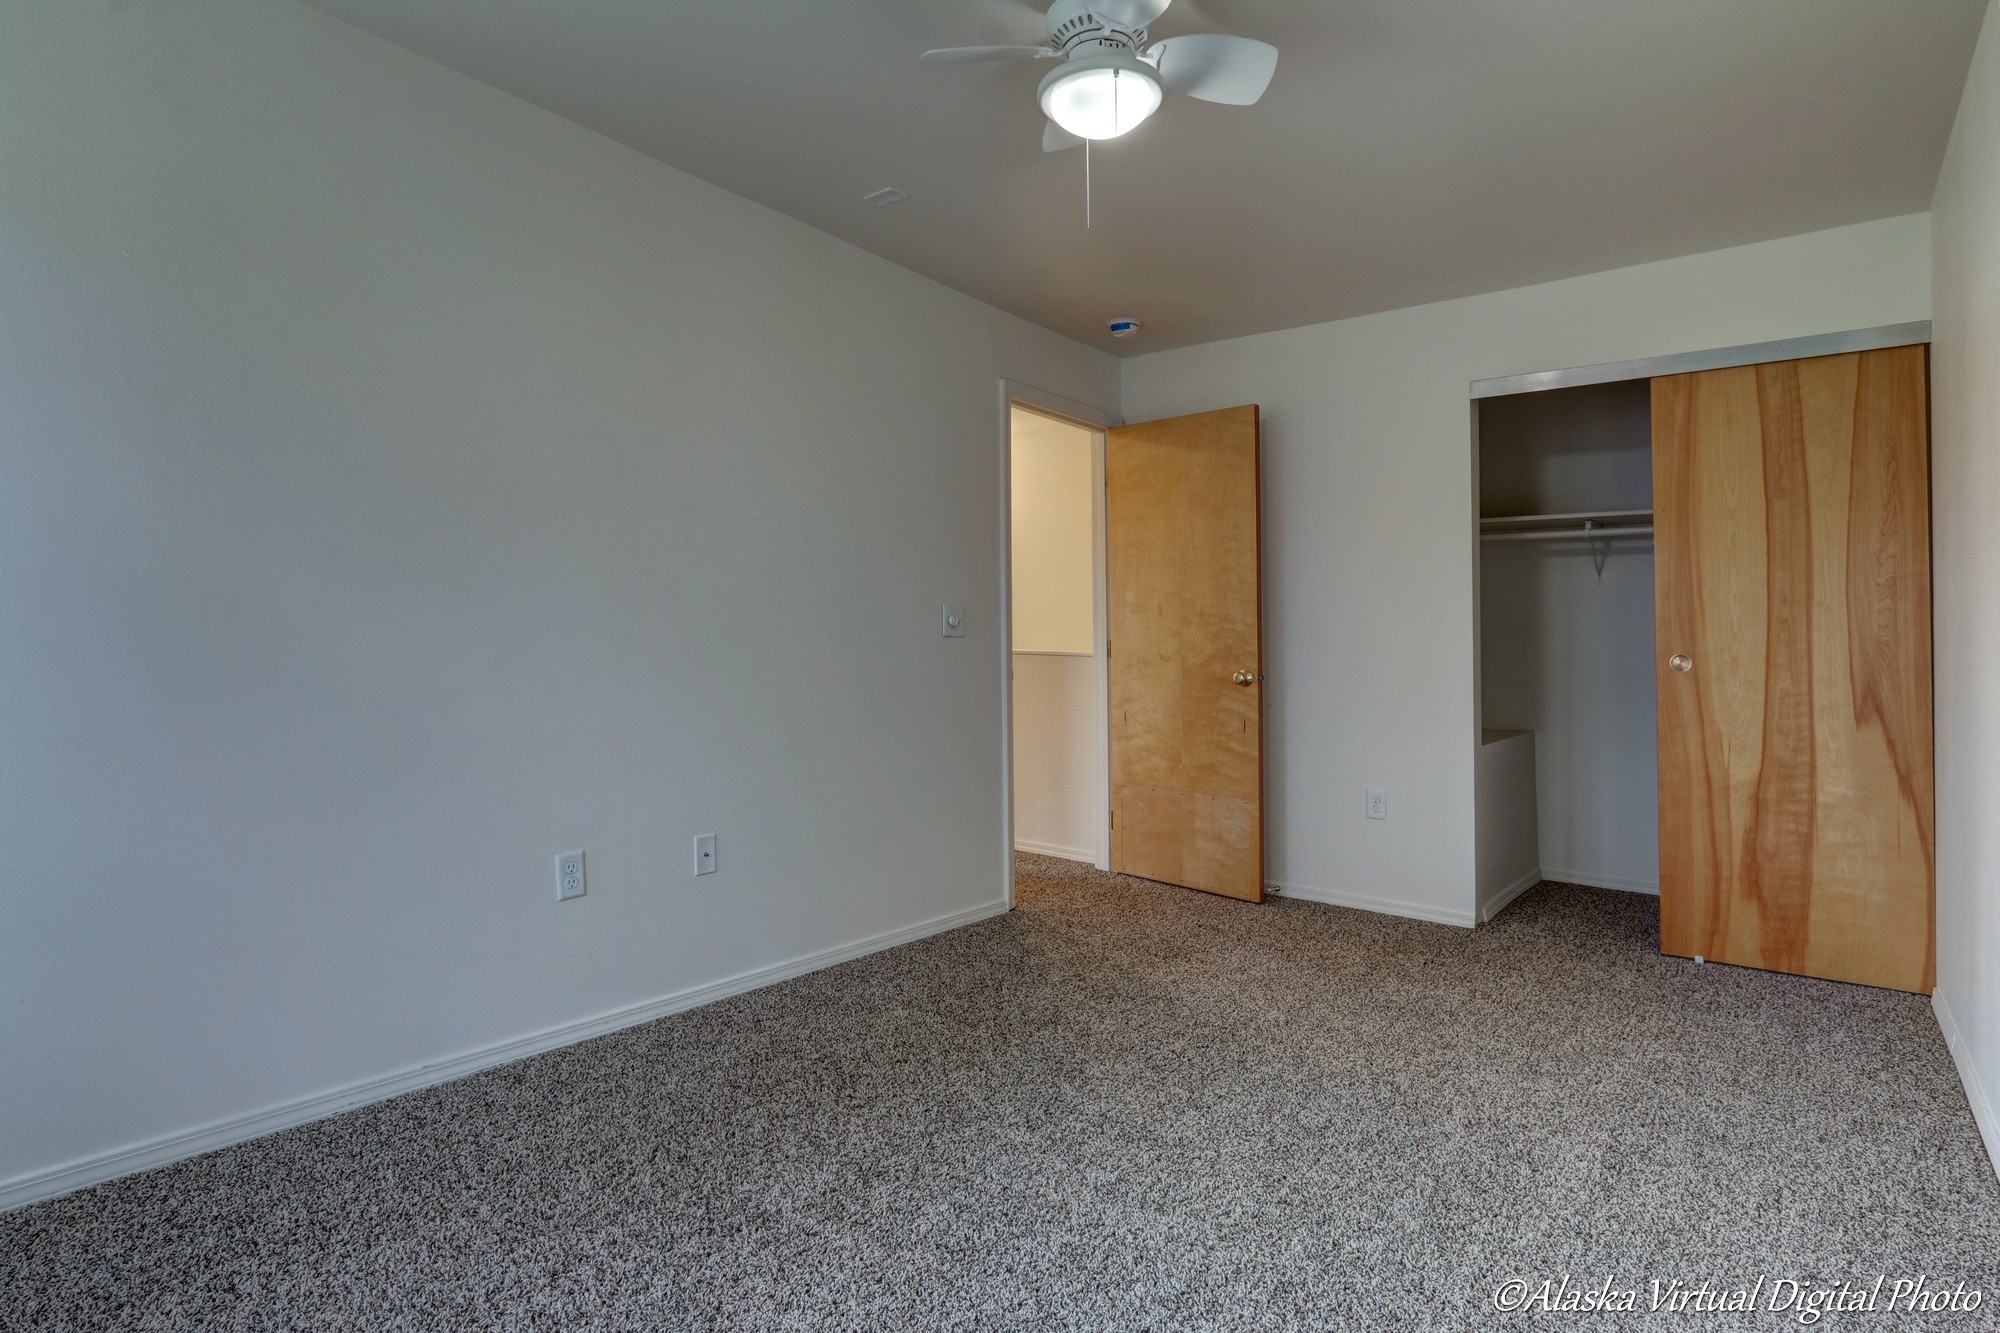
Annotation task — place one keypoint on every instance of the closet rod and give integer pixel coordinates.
(1569, 534)
(1598, 515)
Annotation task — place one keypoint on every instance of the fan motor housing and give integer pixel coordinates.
(1075, 24)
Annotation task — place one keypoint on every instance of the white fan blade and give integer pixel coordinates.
(1130, 13)
(1055, 138)
(965, 55)
(1231, 70)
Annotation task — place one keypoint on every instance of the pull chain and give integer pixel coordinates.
(1086, 151)
(1086, 185)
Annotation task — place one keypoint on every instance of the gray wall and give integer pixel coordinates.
(402, 485)
(1965, 546)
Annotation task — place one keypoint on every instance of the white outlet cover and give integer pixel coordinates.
(1378, 803)
(704, 854)
(569, 876)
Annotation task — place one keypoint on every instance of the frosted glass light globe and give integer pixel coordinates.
(1101, 97)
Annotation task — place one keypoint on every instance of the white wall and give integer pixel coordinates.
(1509, 853)
(403, 484)
(1581, 652)
(1965, 545)
(1567, 651)
(1057, 785)
(1058, 725)
(1368, 494)
(1052, 502)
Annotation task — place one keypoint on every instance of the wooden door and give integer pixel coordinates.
(1792, 542)
(1187, 715)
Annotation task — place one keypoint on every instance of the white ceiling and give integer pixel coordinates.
(1408, 151)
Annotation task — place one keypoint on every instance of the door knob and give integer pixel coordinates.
(1246, 678)
(1681, 662)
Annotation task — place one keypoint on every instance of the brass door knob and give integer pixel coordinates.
(1246, 678)
(1681, 662)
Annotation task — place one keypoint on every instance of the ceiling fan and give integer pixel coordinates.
(1110, 80)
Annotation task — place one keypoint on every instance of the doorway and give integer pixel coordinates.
(1056, 616)
(1151, 765)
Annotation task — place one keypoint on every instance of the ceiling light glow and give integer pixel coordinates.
(1101, 97)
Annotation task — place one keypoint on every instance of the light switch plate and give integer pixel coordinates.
(952, 622)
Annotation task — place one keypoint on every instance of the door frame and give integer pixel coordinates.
(1013, 394)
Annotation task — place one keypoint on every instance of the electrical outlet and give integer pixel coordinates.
(569, 876)
(1378, 803)
(952, 620)
(704, 854)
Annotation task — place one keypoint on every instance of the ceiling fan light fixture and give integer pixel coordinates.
(1101, 96)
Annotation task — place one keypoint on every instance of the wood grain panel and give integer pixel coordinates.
(1791, 505)
(1185, 616)
(1192, 839)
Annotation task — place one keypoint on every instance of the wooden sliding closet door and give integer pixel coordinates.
(1792, 543)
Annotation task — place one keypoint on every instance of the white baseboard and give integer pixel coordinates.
(1386, 906)
(1592, 881)
(1491, 907)
(1968, 1074)
(171, 1148)
(1083, 854)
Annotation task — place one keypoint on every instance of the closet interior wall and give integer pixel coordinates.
(1567, 651)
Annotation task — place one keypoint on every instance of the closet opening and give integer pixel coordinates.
(1567, 774)
(1703, 628)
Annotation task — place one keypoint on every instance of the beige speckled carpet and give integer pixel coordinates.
(1122, 1106)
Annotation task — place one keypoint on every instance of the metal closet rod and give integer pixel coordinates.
(1582, 516)
(1569, 534)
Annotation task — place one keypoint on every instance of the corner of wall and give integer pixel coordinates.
(1965, 426)
(1968, 1073)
